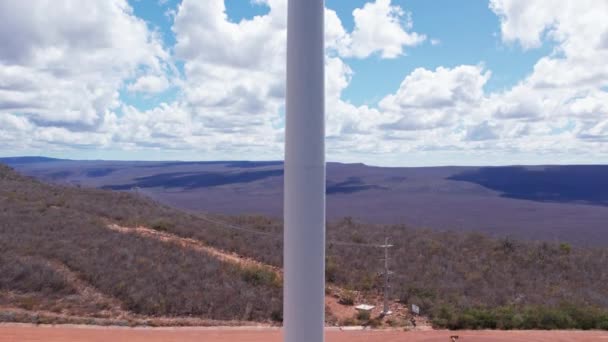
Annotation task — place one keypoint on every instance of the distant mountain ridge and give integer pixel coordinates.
(27, 160)
(567, 202)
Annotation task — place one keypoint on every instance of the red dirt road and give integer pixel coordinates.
(29, 333)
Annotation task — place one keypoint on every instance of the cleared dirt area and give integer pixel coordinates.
(195, 245)
(29, 333)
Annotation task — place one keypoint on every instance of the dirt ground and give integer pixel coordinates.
(30, 333)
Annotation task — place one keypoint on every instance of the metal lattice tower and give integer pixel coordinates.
(386, 309)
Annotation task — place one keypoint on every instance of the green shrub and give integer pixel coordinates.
(375, 323)
(603, 325)
(349, 322)
(257, 275)
(509, 317)
(162, 225)
(331, 270)
(356, 237)
(555, 319)
(363, 315)
(277, 315)
(347, 298)
(367, 282)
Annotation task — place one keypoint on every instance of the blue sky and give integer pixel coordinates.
(409, 82)
(468, 33)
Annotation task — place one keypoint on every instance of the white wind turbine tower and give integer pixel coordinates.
(304, 202)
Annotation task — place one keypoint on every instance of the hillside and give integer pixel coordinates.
(78, 252)
(48, 232)
(543, 203)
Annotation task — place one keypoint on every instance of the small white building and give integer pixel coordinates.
(364, 307)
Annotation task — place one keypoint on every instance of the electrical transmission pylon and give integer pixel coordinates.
(386, 310)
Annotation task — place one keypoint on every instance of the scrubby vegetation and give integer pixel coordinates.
(460, 280)
(468, 280)
(30, 274)
(66, 225)
(564, 316)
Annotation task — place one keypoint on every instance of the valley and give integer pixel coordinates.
(543, 203)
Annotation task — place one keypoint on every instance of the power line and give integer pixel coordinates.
(353, 244)
(221, 224)
(234, 227)
(387, 272)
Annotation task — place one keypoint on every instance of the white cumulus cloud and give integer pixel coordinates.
(62, 73)
(380, 27)
(61, 67)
